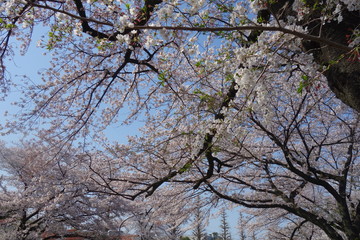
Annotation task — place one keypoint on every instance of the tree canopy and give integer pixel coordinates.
(252, 102)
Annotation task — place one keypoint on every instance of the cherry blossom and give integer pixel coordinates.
(254, 103)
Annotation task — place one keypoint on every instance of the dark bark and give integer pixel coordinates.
(343, 68)
(142, 18)
(343, 72)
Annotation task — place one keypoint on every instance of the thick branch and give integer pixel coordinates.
(309, 216)
(304, 36)
(145, 14)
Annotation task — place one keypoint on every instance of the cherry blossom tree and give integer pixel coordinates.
(240, 99)
(138, 51)
(45, 196)
(52, 194)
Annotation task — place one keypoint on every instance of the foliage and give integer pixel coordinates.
(184, 238)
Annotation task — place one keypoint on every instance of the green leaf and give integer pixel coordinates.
(305, 77)
(185, 168)
(198, 91)
(304, 83)
(199, 63)
(301, 87)
(163, 76)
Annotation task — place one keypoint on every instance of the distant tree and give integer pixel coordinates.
(225, 228)
(47, 192)
(242, 227)
(199, 222)
(184, 238)
(214, 236)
